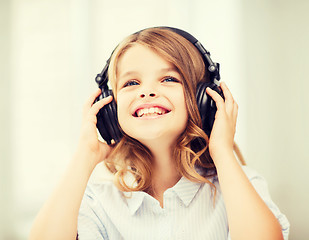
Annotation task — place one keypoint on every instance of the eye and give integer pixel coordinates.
(170, 79)
(130, 83)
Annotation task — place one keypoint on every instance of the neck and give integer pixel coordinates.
(165, 174)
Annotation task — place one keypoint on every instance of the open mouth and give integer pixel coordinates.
(150, 112)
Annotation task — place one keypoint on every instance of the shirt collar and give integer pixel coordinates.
(184, 189)
(134, 200)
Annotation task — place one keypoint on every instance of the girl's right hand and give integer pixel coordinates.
(89, 144)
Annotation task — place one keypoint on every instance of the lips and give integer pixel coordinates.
(150, 111)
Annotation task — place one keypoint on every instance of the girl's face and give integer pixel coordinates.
(150, 96)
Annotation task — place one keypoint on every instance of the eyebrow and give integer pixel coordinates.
(161, 71)
(170, 69)
(129, 73)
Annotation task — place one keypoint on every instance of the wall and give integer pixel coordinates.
(6, 176)
(276, 45)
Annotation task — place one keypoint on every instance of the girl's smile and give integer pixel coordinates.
(150, 111)
(150, 96)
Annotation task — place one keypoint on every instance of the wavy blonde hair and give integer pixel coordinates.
(191, 152)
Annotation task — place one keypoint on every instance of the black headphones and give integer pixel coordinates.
(107, 121)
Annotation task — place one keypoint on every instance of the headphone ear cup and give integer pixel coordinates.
(206, 105)
(107, 121)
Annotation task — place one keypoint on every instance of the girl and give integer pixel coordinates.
(171, 181)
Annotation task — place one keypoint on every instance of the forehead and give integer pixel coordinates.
(142, 58)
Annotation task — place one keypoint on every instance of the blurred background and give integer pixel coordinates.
(51, 52)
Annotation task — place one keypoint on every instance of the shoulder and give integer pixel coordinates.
(261, 186)
(251, 173)
(258, 182)
(254, 176)
(98, 191)
(93, 218)
(101, 200)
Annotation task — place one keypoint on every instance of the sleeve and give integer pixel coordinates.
(260, 185)
(90, 225)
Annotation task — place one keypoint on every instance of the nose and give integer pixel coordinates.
(148, 89)
(151, 94)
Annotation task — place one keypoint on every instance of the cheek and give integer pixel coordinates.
(123, 112)
(181, 100)
(121, 107)
(182, 109)
(185, 116)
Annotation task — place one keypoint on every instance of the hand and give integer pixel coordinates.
(89, 144)
(222, 135)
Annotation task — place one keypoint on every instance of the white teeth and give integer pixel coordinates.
(150, 111)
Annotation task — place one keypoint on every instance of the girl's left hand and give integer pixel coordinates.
(222, 135)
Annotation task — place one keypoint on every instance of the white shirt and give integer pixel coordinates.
(188, 212)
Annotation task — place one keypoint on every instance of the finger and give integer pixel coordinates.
(235, 112)
(226, 92)
(99, 104)
(91, 99)
(216, 97)
(229, 100)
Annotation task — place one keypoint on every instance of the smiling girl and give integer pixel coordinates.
(186, 184)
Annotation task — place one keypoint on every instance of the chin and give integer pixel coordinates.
(154, 137)
(165, 131)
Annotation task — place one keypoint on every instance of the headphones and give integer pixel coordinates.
(107, 120)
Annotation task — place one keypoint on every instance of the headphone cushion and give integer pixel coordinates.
(206, 105)
(107, 121)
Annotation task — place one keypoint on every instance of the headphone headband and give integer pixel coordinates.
(212, 67)
(102, 78)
